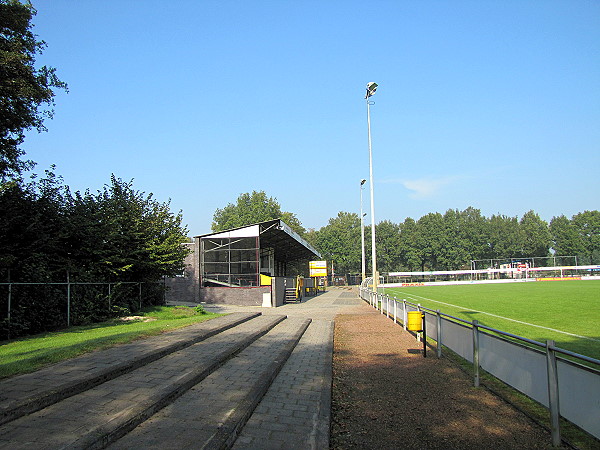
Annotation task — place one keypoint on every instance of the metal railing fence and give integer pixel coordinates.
(68, 295)
(569, 388)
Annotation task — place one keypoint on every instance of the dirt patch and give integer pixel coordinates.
(137, 318)
(386, 395)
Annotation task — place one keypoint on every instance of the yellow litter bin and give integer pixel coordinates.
(414, 321)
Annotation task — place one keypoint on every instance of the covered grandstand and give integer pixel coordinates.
(243, 266)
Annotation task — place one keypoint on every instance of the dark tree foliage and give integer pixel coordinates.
(587, 224)
(26, 92)
(339, 241)
(535, 235)
(251, 208)
(117, 235)
(452, 240)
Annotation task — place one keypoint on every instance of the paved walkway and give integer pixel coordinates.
(295, 412)
(254, 375)
(96, 407)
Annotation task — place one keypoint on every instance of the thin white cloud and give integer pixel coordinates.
(426, 187)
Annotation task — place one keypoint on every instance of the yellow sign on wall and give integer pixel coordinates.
(317, 268)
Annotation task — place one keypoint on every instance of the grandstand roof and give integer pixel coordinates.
(276, 234)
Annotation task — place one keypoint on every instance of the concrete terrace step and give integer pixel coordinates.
(212, 413)
(296, 410)
(21, 395)
(102, 414)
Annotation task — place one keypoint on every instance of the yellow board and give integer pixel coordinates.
(414, 321)
(317, 268)
(265, 280)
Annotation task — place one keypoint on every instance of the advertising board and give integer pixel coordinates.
(317, 268)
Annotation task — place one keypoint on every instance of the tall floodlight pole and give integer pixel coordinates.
(371, 88)
(362, 231)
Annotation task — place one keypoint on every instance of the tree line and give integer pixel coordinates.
(121, 235)
(450, 241)
(48, 233)
(436, 241)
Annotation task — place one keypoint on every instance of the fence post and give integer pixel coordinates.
(553, 401)
(395, 309)
(424, 319)
(140, 295)
(404, 313)
(475, 353)
(439, 333)
(419, 335)
(387, 306)
(68, 300)
(109, 298)
(9, 304)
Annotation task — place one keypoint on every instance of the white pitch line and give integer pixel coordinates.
(507, 318)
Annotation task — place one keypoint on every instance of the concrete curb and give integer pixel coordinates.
(127, 420)
(39, 401)
(323, 416)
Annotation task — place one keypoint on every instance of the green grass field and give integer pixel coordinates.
(565, 311)
(33, 352)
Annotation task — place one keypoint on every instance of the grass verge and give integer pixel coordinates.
(33, 352)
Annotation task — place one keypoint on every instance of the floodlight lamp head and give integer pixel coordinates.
(371, 88)
(363, 181)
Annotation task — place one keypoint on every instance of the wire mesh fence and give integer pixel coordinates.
(33, 307)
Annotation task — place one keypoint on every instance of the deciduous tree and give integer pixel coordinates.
(535, 236)
(504, 237)
(566, 240)
(588, 227)
(339, 241)
(387, 236)
(411, 254)
(252, 208)
(26, 92)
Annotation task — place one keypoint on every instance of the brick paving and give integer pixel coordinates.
(210, 411)
(112, 407)
(27, 393)
(294, 413)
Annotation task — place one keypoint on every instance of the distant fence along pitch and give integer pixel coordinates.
(494, 275)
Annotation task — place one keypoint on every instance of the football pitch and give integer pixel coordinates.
(567, 312)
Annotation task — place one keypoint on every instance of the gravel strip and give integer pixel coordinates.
(386, 395)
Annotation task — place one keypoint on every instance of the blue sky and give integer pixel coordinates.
(490, 104)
